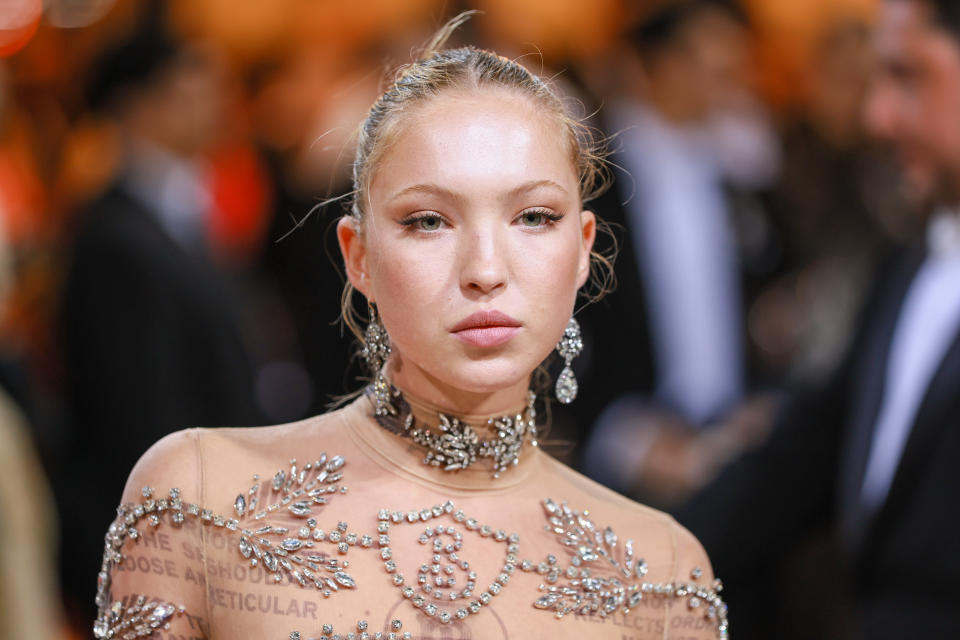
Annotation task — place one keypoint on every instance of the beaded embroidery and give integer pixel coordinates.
(617, 585)
(114, 620)
(585, 594)
(301, 491)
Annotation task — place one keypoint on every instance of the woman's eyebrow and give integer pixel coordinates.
(527, 187)
(430, 188)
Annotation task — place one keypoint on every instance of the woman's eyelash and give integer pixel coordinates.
(417, 217)
(551, 216)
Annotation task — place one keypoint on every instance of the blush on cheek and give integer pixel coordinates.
(409, 291)
(563, 264)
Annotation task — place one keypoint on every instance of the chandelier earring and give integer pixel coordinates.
(376, 350)
(569, 347)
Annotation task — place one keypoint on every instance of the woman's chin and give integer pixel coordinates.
(459, 374)
(487, 378)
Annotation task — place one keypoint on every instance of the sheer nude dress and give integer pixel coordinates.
(332, 526)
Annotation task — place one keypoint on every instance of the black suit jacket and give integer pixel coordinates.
(618, 356)
(903, 564)
(152, 344)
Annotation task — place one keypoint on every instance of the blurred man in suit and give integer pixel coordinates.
(667, 356)
(152, 337)
(873, 456)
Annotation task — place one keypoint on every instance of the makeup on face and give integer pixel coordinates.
(486, 328)
(476, 246)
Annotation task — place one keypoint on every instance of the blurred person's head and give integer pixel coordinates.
(839, 75)
(168, 92)
(914, 100)
(694, 55)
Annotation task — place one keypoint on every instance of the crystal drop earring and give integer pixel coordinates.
(569, 347)
(376, 350)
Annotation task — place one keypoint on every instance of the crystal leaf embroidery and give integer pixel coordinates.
(140, 620)
(301, 491)
(588, 593)
(344, 579)
(604, 573)
(310, 485)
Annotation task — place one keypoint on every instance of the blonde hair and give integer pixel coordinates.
(438, 70)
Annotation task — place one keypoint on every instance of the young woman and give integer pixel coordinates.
(424, 508)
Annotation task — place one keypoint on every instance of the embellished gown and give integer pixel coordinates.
(331, 527)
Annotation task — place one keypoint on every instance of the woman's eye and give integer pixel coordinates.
(429, 223)
(537, 218)
(532, 218)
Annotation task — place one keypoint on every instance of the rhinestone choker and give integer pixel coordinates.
(457, 446)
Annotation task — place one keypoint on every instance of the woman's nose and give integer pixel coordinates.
(483, 262)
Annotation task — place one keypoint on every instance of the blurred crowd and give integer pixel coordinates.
(164, 262)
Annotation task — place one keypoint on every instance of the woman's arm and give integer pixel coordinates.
(153, 573)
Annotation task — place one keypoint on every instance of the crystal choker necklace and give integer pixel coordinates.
(457, 445)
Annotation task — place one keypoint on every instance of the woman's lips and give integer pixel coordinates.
(486, 329)
(487, 336)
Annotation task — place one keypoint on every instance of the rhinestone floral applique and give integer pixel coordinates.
(603, 574)
(143, 618)
(300, 491)
(592, 546)
(296, 553)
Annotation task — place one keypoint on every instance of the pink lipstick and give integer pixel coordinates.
(486, 329)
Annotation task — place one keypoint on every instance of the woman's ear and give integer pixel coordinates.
(354, 252)
(588, 233)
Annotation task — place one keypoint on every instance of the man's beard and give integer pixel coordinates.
(944, 191)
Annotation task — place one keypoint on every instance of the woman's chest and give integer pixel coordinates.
(249, 611)
(307, 556)
(432, 577)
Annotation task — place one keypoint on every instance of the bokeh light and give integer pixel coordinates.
(18, 23)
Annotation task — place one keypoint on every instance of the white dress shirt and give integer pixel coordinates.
(686, 250)
(173, 189)
(928, 324)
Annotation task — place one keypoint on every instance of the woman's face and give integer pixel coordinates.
(473, 247)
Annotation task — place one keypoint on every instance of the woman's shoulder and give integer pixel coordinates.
(196, 459)
(602, 499)
(660, 559)
(628, 519)
(172, 461)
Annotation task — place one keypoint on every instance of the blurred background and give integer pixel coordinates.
(161, 265)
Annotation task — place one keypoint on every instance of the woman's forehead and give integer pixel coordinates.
(476, 140)
(487, 101)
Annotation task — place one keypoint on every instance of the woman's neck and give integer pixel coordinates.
(415, 383)
(426, 414)
(397, 440)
